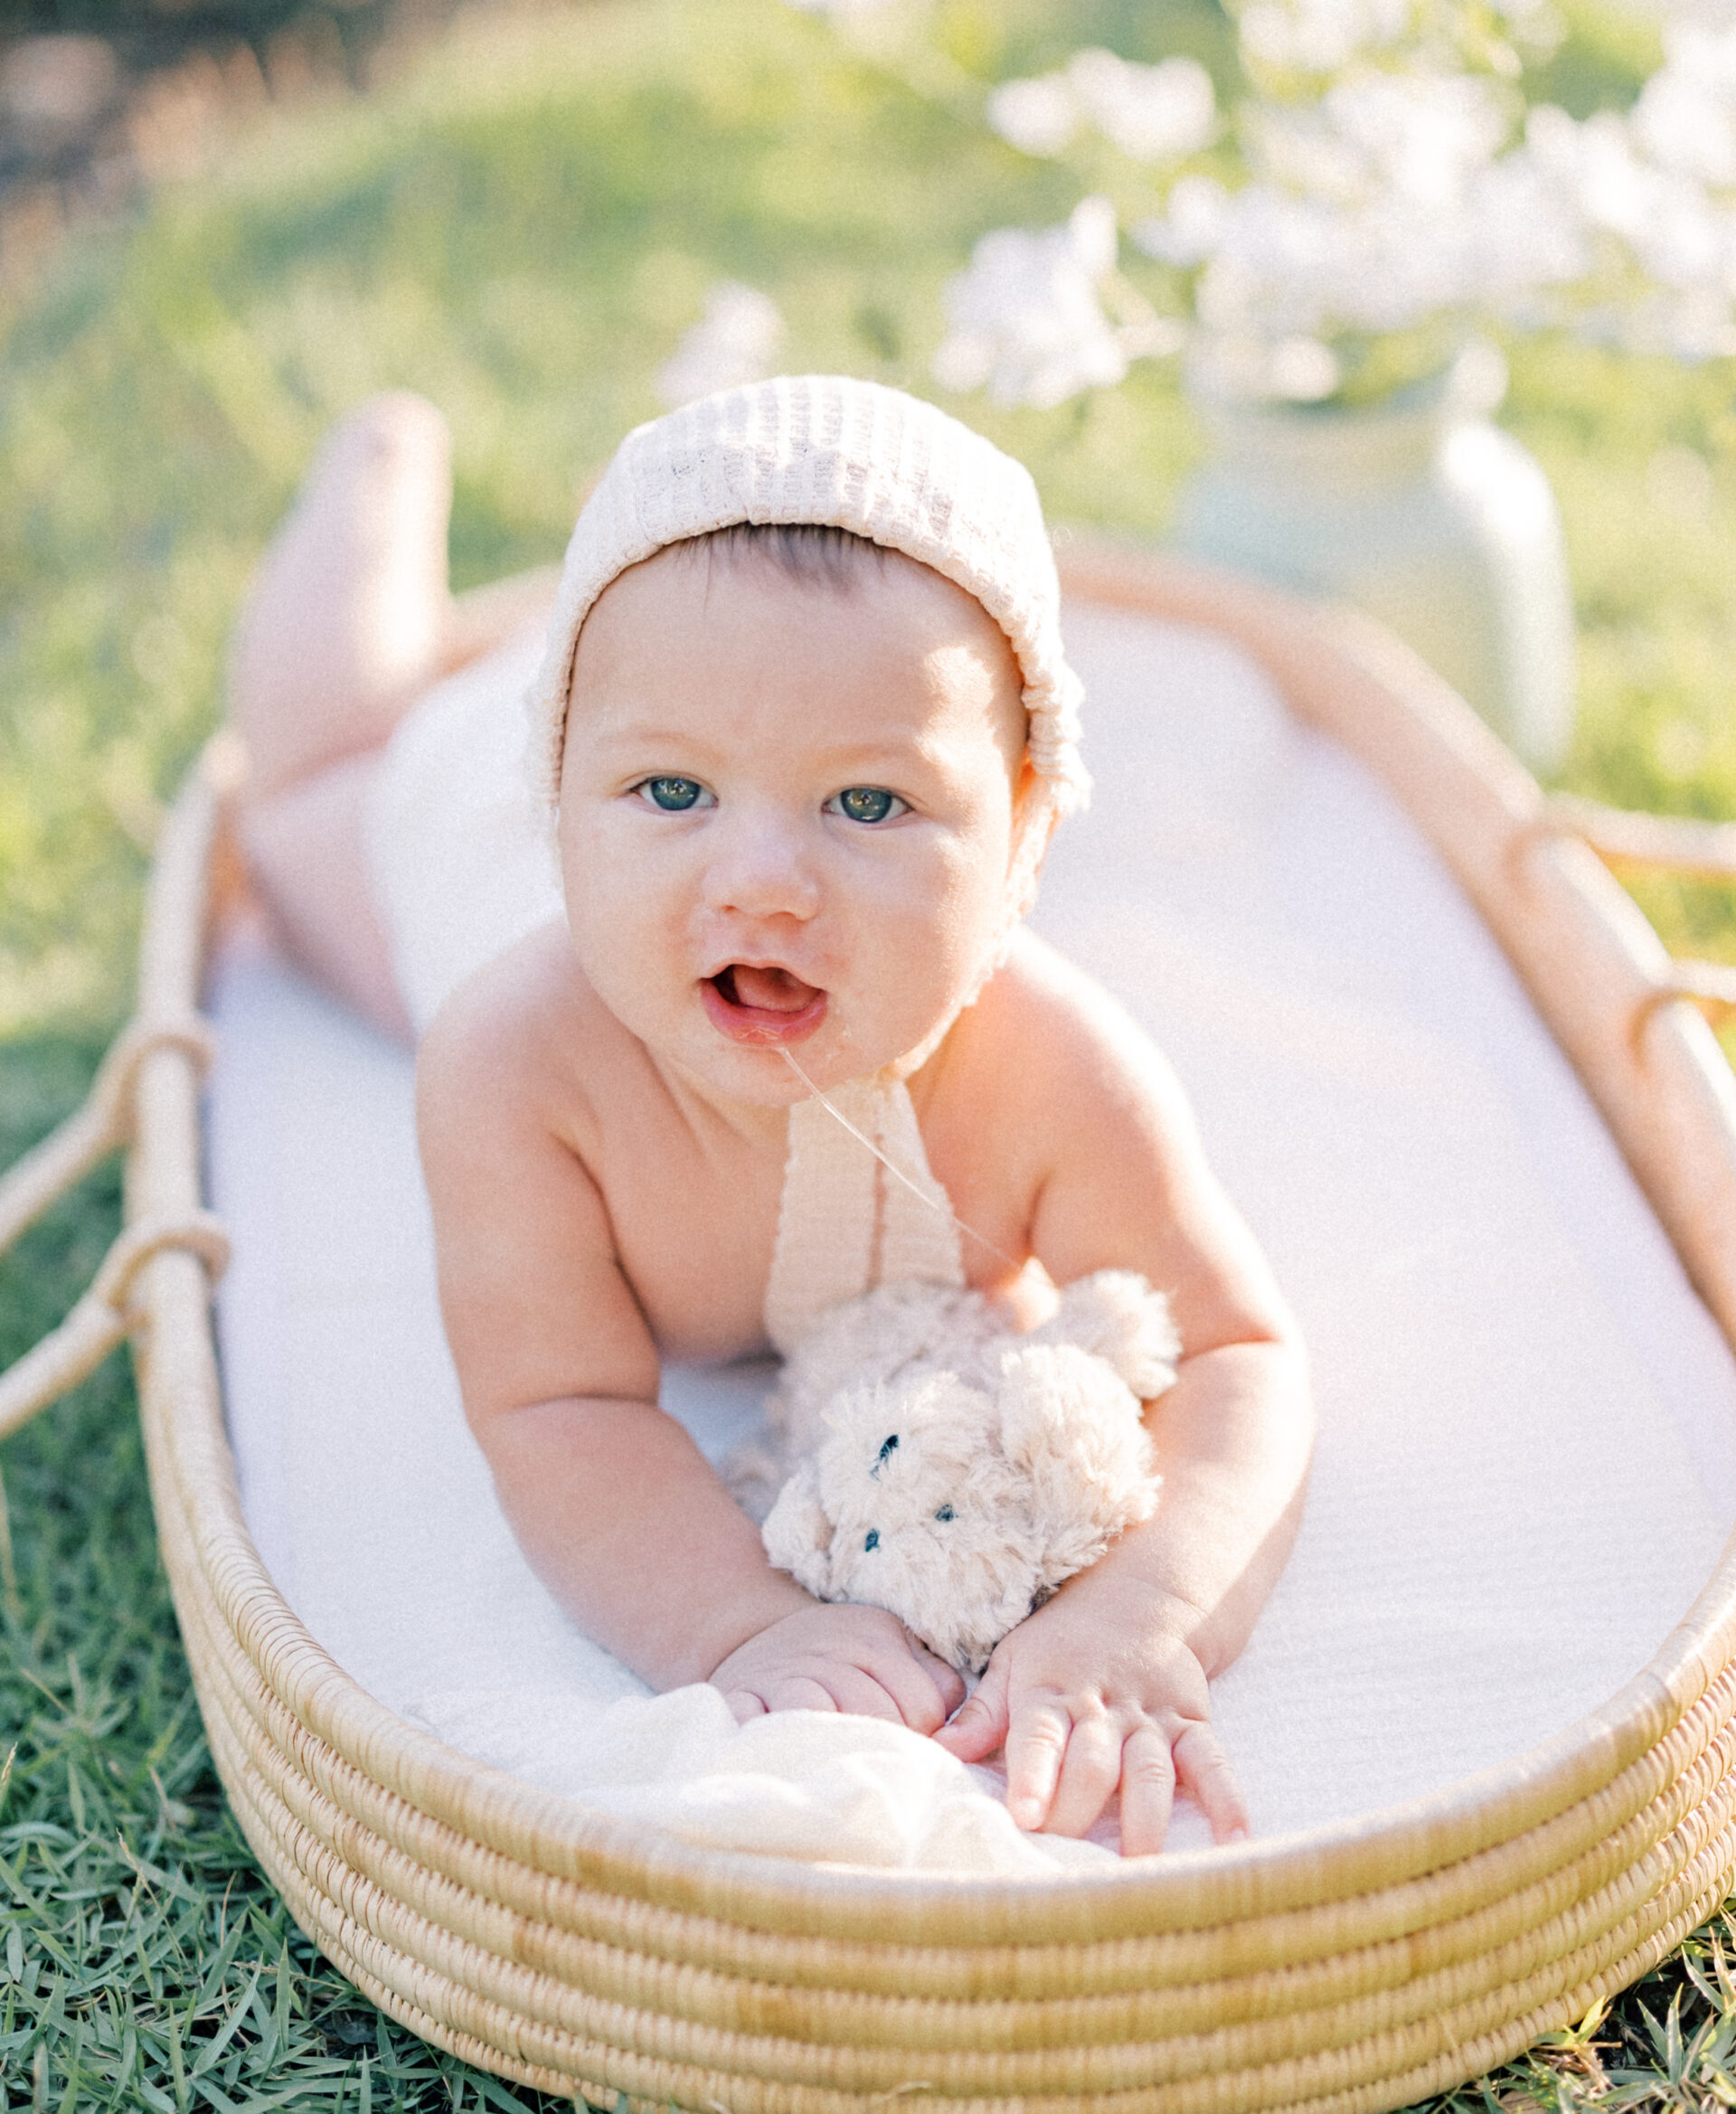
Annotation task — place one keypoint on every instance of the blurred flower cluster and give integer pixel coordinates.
(1152, 113)
(1378, 188)
(1039, 316)
(737, 340)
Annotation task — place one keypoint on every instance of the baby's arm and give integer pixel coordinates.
(614, 1507)
(1106, 1683)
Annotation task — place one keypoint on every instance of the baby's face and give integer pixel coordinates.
(787, 813)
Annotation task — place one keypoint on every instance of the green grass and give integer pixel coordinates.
(521, 228)
(144, 1960)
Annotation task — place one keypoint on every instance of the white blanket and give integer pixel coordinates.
(1527, 1456)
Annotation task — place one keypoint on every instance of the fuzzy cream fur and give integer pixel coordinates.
(954, 1472)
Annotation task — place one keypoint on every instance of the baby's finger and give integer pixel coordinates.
(1089, 1771)
(1035, 1742)
(745, 1705)
(981, 1725)
(798, 1692)
(949, 1683)
(863, 1695)
(1205, 1768)
(1147, 1791)
(912, 1677)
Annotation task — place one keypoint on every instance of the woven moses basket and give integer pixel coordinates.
(1360, 1968)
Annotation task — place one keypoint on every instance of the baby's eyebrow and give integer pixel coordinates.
(625, 739)
(867, 760)
(925, 746)
(606, 732)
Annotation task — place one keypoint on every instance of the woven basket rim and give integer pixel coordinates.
(1184, 1890)
(1201, 1886)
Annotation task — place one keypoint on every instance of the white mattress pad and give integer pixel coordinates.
(1526, 1464)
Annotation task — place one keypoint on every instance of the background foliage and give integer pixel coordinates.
(521, 227)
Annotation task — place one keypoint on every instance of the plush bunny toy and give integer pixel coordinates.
(954, 1472)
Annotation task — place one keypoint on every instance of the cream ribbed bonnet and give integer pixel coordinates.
(825, 449)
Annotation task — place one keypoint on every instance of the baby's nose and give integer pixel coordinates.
(760, 868)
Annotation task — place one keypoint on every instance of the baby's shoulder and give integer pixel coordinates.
(1058, 1059)
(517, 1040)
(1046, 1015)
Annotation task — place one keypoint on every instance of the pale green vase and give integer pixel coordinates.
(1419, 511)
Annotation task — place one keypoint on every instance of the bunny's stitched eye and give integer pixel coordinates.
(874, 1540)
(888, 1448)
(946, 1512)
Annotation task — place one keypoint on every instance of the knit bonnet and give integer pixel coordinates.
(825, 449)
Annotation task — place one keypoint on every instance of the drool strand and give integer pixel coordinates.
(897, 1173)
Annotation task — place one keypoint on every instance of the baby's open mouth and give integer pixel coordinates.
(763, 1005)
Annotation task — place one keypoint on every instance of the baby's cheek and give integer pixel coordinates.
(956, 913)
(626, 931)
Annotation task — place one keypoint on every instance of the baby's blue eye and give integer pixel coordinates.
(672, 795)
(868, 804)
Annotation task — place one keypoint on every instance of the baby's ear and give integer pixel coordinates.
(799, 1535)
(1036, 813)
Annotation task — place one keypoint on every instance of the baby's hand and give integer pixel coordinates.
(1098, 1688)
(827, 1657)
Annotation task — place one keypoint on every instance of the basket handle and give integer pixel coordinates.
(1680, 843)
(1673, 844)
(104, 1315)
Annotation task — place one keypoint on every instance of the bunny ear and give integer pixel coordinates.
(1047, 1393)
(798, 1534)
(1115, 1313)
(1101, 1476)
(1074, 1429)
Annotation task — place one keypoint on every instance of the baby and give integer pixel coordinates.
(805, 726)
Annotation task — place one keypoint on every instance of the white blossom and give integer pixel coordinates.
(1414, 136)
(1397, 200)
(1381, 207)
(1524, 236)
(737, 341)
(1151, 113)
(1197, 219)
(1678, 239)
(1686, 117)
(1303, 370)
(1320, 36)
(1026, 320)
(1038, 116)
(1294, 369)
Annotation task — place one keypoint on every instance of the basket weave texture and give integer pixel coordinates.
(1355, 1969)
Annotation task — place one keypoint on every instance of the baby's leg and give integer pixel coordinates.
(348, 611)
(305, 852)
(347, 621)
